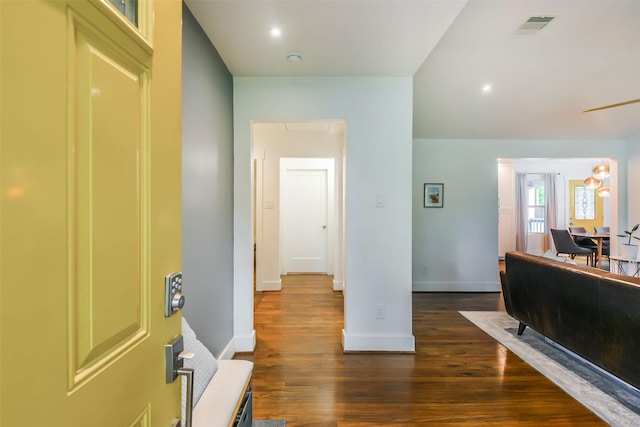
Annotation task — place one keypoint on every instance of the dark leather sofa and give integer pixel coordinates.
(593, 313)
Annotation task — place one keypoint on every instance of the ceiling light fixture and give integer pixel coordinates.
(602, 171)
(598, 179)
(275, 32)
(604, 192)
(592, 183)
(486, 88)
(294, 58)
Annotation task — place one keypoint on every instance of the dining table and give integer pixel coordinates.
(598, 237)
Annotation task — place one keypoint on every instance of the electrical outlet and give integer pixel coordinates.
(380, 311)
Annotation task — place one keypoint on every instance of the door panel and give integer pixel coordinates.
(589, 224)
(109, 253)
(90, 214)
(306, 221)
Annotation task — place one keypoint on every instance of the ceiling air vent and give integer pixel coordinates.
(535, 23)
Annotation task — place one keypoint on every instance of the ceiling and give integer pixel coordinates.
(541, 81)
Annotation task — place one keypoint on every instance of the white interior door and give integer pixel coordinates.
(306, 221)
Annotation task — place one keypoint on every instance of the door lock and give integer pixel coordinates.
(174, 300)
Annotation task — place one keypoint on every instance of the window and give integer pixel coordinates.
(585, 203)
(128, 8)
(535, 206)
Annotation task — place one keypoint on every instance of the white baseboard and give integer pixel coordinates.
(228, 352)
(395, 343)
(239, 344)
(456, 286)
(269, 285)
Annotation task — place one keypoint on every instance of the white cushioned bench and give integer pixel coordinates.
(221, 400)
(221, 389)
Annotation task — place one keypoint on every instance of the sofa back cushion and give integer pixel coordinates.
(570, 308)
(620, 306)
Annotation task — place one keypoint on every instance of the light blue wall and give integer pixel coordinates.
(207, 188)
(378, 115)
(634, 181)
(455, 248)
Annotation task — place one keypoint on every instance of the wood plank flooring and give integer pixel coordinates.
(459, 376)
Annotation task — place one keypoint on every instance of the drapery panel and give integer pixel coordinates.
(551, 208)
(521, 212)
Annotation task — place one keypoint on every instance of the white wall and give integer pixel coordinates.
(271, 142)
(633, 167)
(378, 113)
(455, 248)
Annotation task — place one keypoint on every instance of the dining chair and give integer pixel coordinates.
(585, 242)
(605, 241)
(566, 245)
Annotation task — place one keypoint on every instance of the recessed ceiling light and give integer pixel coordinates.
(486, 88)
(275, 32)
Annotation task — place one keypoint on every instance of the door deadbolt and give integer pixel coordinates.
(174, 300)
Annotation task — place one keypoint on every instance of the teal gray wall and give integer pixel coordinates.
(207, 188)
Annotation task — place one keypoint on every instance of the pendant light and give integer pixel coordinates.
(602, 171)
(592, 183)
(604, 192)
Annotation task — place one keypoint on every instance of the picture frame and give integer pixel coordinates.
(433, 195)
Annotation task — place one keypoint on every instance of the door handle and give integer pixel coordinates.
(174, 359)
(188, 410)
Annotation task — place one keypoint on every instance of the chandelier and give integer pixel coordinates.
(598, 179)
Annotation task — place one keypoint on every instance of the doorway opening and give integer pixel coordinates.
(298, 200)
(569, 171)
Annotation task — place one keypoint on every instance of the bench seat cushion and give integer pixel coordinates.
(221, 399)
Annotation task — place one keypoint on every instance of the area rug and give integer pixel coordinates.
(616, 402)
(269, 423)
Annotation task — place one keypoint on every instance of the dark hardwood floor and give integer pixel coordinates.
(459, 376)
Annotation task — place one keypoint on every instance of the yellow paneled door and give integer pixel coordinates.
(586, 208)
(90, 212)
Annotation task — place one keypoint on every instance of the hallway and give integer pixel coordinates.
(458, 376)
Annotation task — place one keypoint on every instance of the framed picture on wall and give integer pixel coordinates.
(433, 195)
